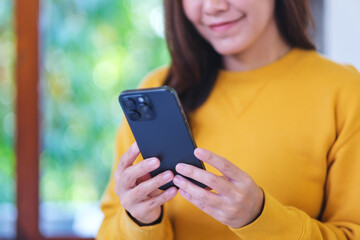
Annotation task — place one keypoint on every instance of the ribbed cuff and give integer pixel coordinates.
(150, 224)
(131, 230)
(275, 222)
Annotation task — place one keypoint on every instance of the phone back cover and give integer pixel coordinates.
(167, 136)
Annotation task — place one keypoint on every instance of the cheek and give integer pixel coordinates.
(259, 17)
(261, 13)
(192, 10)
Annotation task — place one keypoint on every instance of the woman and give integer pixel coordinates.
(278, 126)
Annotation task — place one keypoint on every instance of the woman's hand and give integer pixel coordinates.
(238, 200)
(138, 192)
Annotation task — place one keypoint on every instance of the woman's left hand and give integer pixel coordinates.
(238, 201)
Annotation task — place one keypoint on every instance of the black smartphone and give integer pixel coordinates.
(160, 128)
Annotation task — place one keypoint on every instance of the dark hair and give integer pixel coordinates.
(195, 64)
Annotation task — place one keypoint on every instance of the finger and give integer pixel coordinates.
(143, 190)
(155, 193)
(159, 200)
(129, 157)
(206, 198)
(144, 178)
(223, 165)
(132, 173)
(217, 183)
(210, 210)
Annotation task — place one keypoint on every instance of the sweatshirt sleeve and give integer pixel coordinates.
(116, 223)
(340, 218)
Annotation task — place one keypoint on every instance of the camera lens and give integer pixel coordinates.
(129, 103)
(144, 108)
(141, 99)
(133, 115)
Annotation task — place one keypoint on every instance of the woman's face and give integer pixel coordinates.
(231, 26)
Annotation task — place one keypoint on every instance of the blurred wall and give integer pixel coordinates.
(342, 31)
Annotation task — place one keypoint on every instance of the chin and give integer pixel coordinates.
(229, 43)
(231, 46)
(229, 50)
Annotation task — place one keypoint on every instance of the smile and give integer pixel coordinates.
(223, 26)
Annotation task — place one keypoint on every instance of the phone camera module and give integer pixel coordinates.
(144, 109)
(141, 99)
(129, 103)
(134, 115)
(148, 116)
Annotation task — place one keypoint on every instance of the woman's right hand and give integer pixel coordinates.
(138, 192)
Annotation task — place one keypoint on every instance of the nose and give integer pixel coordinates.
(213, 7)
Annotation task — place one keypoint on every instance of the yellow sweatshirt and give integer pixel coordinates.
(294, 127)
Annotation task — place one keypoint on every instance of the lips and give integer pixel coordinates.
(223, 26)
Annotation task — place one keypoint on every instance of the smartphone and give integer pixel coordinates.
(160, 128)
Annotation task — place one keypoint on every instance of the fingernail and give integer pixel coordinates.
(200, 152)
(180, 167)
(153, 162)
(177, 180)
(167, 176)
(134, 147)
(172, 191)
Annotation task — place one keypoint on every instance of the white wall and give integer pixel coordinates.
(342, 31)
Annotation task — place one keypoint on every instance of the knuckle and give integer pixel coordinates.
(185, 185)
(212, 156)
(153, 203)
(123, 159)
(247, 182)
(238, 198)
(212, 181)
(231, 212)
(203, 204)
(203, 201)
(221, 215)
(124, 177)
(124, 202)
(226, 165)
(139, 191)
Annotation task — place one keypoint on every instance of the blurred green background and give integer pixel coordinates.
(91, 50)
(7, 97)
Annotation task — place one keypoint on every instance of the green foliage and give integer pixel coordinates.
(6, 103)
(92, 50)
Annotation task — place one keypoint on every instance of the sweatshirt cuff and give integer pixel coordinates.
(275, 222)
(132, 230)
